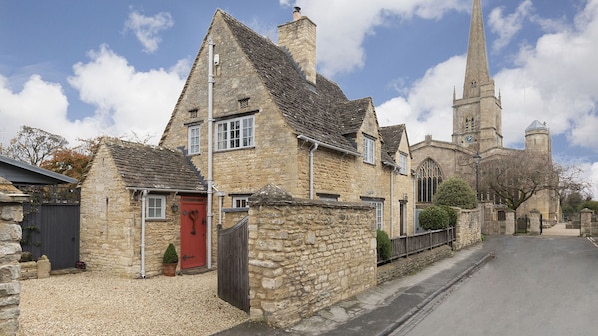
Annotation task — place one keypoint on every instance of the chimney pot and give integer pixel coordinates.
(297, 13)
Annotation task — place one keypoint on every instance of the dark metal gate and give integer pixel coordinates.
(51, 226)
(521, 225)
(233, 270)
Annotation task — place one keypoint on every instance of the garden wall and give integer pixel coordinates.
(11, 213)
(305, 255)
(468, 228)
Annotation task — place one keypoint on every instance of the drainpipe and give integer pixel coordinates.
(143, 199)
(392, 200)
(210, 146)
(311, 170)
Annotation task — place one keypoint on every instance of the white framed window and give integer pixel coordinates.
(379, 204)
(403, 164)
(235, 133)
(193, 139)
(368, 150)
(240, 201)
(379, 213)
(155, 207)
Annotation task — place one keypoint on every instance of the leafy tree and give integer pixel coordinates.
(455, 192)
(33, 145)
(452, 213)
(72, 161)
(434, 218)
(383, 245)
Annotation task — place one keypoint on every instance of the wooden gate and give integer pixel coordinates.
(233, 271)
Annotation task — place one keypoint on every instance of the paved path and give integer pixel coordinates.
(536, 285)
(560, 230)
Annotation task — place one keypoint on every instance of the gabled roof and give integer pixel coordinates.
(152, 167)
(318, 113)
(392, 136)
(23, 173)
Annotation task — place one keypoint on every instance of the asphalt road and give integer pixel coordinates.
(535, 286)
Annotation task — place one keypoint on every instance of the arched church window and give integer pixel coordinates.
(472, 123)
(429, 176)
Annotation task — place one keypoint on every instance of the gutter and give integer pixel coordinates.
(176, 191)
(338, 149)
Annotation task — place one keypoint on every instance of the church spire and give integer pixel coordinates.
(477, 71)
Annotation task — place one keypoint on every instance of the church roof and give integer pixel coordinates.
(152, 167)
(322, 113)
(536, 125)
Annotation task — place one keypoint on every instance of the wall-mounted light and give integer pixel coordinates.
(174, 207)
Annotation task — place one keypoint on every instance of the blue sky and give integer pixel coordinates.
(86, 68)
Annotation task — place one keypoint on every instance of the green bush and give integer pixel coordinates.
(452, 213)
(170, 255)
(383, 245)
(434, 218)
(455, 192)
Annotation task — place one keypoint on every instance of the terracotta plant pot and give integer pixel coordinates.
(169, 269)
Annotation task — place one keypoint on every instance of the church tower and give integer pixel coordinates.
(477, 117)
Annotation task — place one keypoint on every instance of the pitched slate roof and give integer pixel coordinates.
(392, 136)
(320, 114)
(153, 167)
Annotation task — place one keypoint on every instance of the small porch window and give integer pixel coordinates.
(156, 207)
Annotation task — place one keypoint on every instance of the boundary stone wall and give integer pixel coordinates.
(11, 214)
(468, 228)
(306, 255)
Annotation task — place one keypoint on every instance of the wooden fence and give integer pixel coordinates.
(408, 245)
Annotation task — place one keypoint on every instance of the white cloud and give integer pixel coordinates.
(147, 28)
(39, 104)
(507, 26)
(127, 102)
(343, 26)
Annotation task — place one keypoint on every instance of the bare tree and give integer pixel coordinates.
(34, 145)
(516, 176)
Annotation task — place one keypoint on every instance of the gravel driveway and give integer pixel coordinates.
(93, 304)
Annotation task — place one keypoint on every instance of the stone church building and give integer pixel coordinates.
(477, 133)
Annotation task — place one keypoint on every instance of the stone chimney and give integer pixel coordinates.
(299, 38)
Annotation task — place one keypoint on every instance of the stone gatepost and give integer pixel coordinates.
(585, 217)
(11, 214)
(534, 222)
(510, 223)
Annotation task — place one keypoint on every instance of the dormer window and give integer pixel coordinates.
(193, 113)
(369, 146)
(244, 103)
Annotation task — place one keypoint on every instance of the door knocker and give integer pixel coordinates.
(193, 216)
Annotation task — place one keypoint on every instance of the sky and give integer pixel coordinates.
(82, 69)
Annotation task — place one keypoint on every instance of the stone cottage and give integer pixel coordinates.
(135, 200)
(276, 120)
(251, 113)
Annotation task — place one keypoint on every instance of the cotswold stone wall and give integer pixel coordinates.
(306, 255)
(11, 213)
(468, 229)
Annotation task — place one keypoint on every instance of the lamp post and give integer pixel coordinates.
(476, 160)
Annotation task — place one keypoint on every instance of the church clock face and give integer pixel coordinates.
(469, 139)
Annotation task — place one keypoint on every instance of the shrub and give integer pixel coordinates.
(434, 218)
(455, 192)
(452, 213)
(383, 245)
(170, 255)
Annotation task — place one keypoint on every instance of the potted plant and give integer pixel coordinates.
(170, 260)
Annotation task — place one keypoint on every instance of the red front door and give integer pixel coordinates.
(193, 232)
